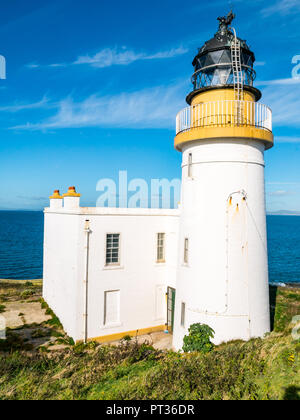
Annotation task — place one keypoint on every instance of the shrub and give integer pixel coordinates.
(67, 341)
(26, 294)
(198, 339)
(127, 338)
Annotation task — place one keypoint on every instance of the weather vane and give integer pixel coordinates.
(225, 21)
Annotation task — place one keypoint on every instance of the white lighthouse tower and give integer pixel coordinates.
(223, 268)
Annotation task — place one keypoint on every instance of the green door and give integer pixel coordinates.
(171, 308)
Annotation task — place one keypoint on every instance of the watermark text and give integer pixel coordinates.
(138, 193)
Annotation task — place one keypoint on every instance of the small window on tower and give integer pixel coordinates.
(190, 165)
(112, 249)
(160, 257)
(186, 251)
(182, 321)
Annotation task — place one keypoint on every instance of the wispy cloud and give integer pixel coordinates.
(108, 57)
(283, 183)
(259, 63)
(43, 103)
(287, 139)
(37, 66)
(276, 82)
(32, 66)
(285, 104)
(282, 7)
(149, 108)
(280, 193)
(31, 198)
(152, 107)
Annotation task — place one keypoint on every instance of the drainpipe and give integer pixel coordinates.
(87, 231)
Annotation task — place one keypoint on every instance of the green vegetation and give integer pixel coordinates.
(26, 294)
(12, 290)
(2, 309)
(259, 369)
(285, 304)
(13, 344)
(198, 339)
(54, 321)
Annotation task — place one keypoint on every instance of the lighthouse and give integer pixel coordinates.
(112, 272)
(222, 273)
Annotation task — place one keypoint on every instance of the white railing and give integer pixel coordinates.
(224, 114)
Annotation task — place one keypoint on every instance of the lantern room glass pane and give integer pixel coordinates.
(216, 55)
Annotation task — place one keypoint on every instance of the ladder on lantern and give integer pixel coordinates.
(237, 79)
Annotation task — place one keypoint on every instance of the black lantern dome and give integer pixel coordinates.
(213, 63)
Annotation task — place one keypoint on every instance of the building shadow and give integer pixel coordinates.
(292, 393)
(273, 299)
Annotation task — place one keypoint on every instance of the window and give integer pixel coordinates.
(111, 307)
(186, 251)
(190, 165)
(182, 321)
(160, 247)
(112, 248)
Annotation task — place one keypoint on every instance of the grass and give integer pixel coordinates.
(261, 369)
(285, 304)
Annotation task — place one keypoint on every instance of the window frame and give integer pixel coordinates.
(190, 165)
(112, 264)
(182, 315)
(160, 247)
(186, 251)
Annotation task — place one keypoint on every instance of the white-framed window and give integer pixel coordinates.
(190, 165)
(186, 251)
(182, 319)
(112, 249)
(160, 252)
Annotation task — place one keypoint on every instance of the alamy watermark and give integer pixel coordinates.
(296, 68)
(2, 328)
(138, 193)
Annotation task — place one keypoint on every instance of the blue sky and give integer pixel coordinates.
(93, 87)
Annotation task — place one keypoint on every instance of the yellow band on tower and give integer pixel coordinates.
(215, 114)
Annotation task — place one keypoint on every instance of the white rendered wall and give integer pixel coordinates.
(60, 278)
(225, 283)
(142, 281)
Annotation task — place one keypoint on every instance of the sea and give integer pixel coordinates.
(21, 246)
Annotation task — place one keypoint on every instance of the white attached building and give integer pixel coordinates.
(109, 272)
